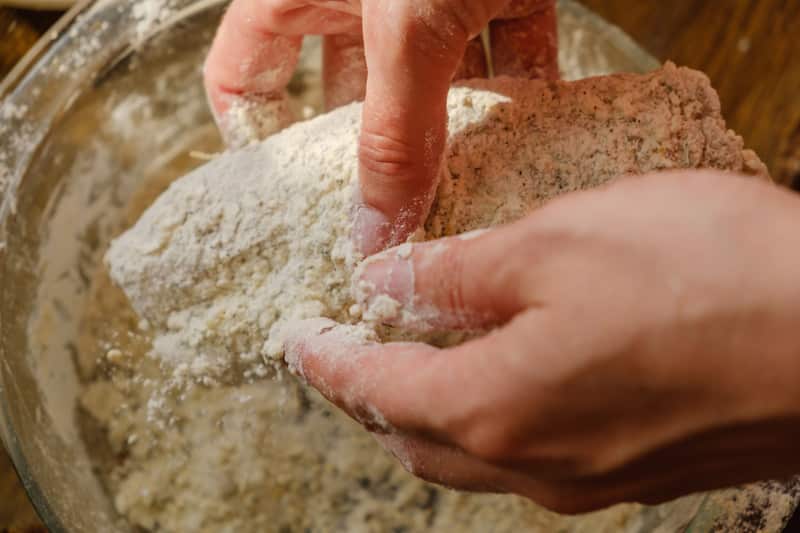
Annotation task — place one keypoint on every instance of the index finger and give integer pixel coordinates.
(361, 376)
(409, 387)
(413, 50)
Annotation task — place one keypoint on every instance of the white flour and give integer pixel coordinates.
(268, 456)
(261, 237)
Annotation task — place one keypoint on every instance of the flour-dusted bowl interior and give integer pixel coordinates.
(112, 103)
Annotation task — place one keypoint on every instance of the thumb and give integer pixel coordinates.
(412, 49)
(458, 283)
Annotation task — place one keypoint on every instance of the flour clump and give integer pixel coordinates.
(261, 237)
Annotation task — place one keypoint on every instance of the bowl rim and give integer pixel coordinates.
(32, 113)
(9, 87)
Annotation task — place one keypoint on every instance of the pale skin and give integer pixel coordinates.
(411, 63)
(643, 338)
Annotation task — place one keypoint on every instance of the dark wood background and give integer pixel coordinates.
(751, 51)
(749, 48)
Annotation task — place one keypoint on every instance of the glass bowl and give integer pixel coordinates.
(108, 100)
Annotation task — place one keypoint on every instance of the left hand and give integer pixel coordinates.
(648, 346)
(401, 57)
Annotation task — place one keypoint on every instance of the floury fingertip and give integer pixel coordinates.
(390, 273)
(249, 119)
(371, 229)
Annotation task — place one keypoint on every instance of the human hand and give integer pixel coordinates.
(647, 347)
(412, 50)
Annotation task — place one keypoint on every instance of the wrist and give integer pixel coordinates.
(771, 358)
(784, 238)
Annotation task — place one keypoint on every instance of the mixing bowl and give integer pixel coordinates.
(110, 99)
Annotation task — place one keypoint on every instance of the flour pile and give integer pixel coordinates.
(258, 237)
(261, 237)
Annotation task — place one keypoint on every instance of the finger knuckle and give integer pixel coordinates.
(389, 156)
(255, 16)
(452, 269)
(443, 27)
(487, 443)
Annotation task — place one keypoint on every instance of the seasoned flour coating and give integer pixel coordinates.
(262, 236)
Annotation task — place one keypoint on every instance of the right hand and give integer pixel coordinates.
(401, 56)
(645, 346)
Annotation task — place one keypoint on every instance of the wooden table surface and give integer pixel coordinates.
(748, 48)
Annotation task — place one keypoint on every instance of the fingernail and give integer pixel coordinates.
(293, 356)
(292, 337)
(371, 229)
(389, 274)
